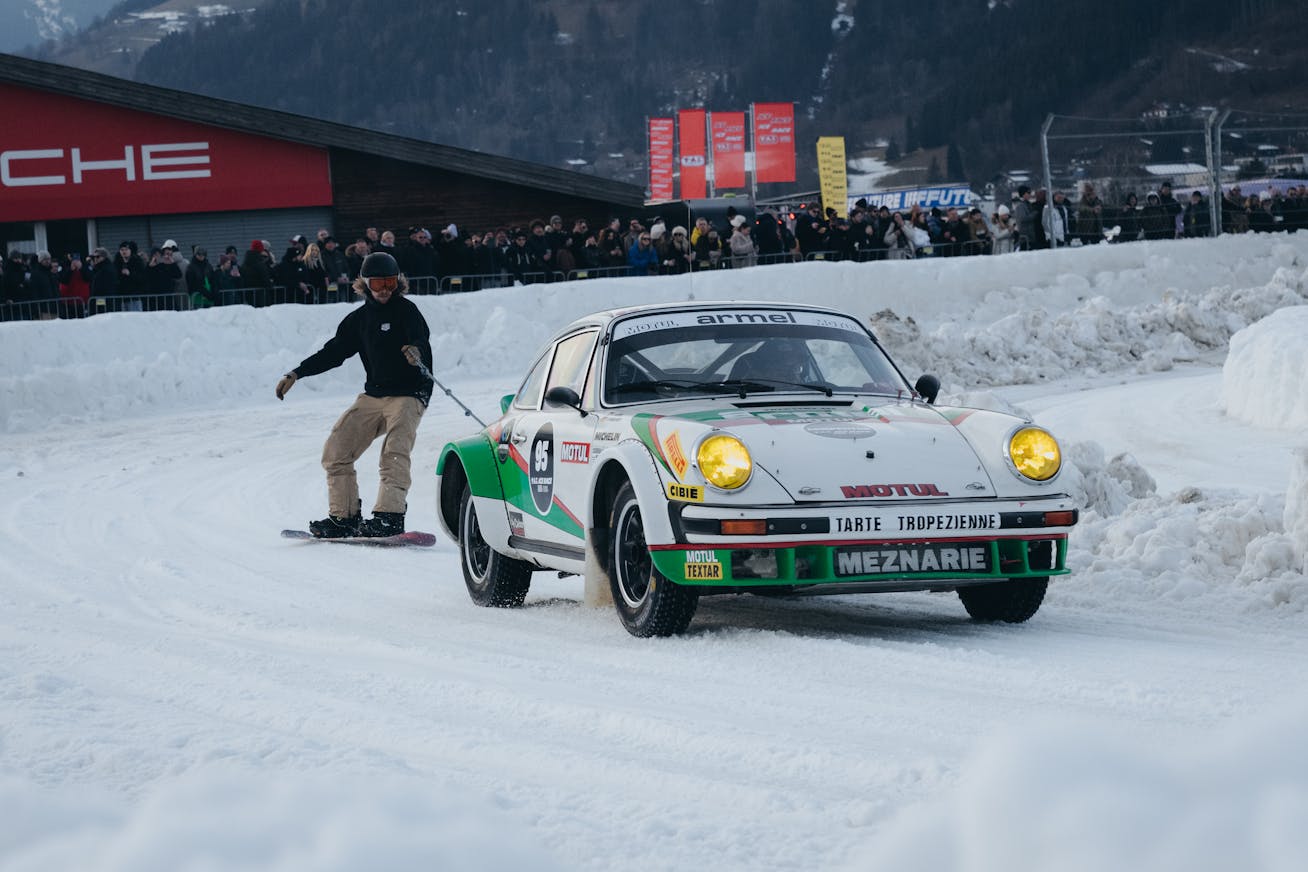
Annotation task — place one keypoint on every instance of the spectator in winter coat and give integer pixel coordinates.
(163, 273)
(521, 261)
(130, 270)
(1198, 222)
(642, 259)
(1090, 217)
(100, 274)
(679, 255)
(289, 275)
(201, 283)
(1002, 232)
(1129, 219)
(1174, 210)
(899, 238)
(1055, 221)
(1024, 218)
(953, 233)
(74, 288)
(1154, 221)
(333, 261)
(314, 273)
(15, 278)
(256, 274)
(743, 251)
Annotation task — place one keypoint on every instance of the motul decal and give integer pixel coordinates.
(574, 452)
(867, 491)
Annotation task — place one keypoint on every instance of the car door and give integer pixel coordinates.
(545, 483)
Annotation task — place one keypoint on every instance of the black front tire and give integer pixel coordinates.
(647, 602)
(492, 579)
(1012, 601)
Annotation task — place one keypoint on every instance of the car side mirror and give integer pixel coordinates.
(928, 386)
(505, 402)
(564, 396)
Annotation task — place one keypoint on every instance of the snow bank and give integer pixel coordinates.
(974, 321)
(297, 824)
(1076, 796)
(1265, 377)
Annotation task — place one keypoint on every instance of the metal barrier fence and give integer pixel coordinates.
(42, 310)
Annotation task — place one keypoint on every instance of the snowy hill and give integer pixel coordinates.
(181, 688)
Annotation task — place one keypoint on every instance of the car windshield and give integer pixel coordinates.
(673, 355)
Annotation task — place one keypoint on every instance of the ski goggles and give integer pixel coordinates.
(383, 283)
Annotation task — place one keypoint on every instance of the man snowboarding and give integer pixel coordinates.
(392, 339)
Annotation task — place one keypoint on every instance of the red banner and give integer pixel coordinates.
(74, 158)
(728, 129)
(694, 173)
(660, 158)
(774, 142)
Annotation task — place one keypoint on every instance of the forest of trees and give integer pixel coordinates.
(552, 80)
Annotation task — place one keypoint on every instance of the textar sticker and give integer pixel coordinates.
(676, 457)
(703, 564)
(574, 452)
(686, 493)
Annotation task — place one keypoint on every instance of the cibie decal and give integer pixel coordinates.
(703, 564)
(676, 457)
(574, 452)
(686, 493)
(540, 466)
(866, 491)
(516, 526)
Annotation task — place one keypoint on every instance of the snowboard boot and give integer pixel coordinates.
(382, 524)
(332, 527)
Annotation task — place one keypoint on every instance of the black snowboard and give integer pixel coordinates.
(411, 538)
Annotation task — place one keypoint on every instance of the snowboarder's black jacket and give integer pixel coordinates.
(377, 333)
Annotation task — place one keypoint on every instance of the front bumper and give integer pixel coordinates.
(884, 546)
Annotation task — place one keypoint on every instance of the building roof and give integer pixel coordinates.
(73, 82)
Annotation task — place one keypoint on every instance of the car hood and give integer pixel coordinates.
(863, 451)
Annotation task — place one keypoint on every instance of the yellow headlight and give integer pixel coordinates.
(1035, 453)
(724, 461)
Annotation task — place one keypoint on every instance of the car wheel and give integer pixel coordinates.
(647, 602)
(492, 578)
(1011, 601)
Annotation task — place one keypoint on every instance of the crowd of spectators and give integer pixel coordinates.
(321, 270)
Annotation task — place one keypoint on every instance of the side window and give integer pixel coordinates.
(528, 396)
(571, 362)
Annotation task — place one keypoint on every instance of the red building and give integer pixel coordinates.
(88, 159)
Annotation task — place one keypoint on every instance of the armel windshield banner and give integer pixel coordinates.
(728, 129)
(831, 173)
(774, 142)
(693, 138)
(660, 158)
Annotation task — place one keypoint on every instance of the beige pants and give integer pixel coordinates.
(359, 427)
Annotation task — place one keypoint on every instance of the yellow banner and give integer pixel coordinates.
(831, 173)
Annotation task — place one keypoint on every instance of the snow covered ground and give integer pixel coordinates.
(181, 688)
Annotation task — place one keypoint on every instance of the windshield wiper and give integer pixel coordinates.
(759, 383)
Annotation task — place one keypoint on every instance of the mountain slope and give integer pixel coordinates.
(560, 81)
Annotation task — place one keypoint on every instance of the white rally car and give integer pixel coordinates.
(674, 451)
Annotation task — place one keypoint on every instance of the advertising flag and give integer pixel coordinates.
(774, 142)
(660, 158)
(831, 173)
(728, 132)
(694, 139)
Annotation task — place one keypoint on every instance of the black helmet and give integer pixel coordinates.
(379, 264)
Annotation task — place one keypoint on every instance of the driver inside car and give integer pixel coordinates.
(784, 360)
